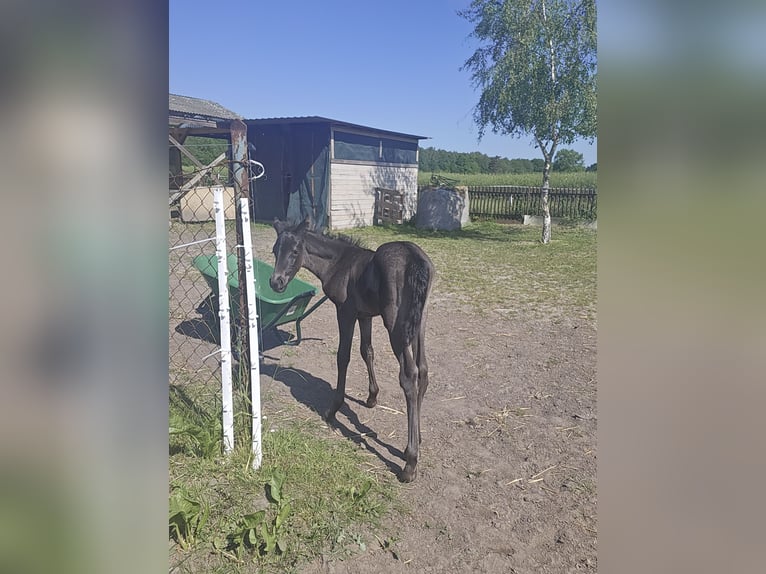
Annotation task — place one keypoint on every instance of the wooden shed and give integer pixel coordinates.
(329, 170)
(190, 117)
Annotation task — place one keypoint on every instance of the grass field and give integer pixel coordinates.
(571, 179)
(315, 494)
(487, 265)
(584, 179)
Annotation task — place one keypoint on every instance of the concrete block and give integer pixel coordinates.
(197, 204)
(442, 208)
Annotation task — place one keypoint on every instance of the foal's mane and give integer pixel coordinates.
(356, 242)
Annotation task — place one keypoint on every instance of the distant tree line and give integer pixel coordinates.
(431, 160)
(439, 160)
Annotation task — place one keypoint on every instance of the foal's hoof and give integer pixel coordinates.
(408, 473)
(329, 416)
(371, 401)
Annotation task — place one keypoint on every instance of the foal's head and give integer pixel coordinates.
(288, 253)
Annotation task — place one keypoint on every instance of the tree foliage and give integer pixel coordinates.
(439, 160)
(204, 149)
(568, 160)
(536, 69)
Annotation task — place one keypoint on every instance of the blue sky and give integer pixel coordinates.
(392, 65)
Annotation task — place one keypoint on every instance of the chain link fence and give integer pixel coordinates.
(194, 337)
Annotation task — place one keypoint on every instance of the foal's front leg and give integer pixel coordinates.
(346, 320)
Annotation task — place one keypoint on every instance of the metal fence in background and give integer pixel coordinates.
(513, 202)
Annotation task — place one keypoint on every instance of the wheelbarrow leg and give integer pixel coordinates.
(298, 336)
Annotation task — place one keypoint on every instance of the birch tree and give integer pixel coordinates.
(536, 69)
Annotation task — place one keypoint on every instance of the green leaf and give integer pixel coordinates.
(268, 537)
(177, 424)
(365, 489)
(252, 537)
(186, 517)
(282, 516)
(274, 490)
(202, 517)
(253, 520)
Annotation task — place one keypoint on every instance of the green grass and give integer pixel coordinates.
(336, 495)
(489, 267)
(563, 179)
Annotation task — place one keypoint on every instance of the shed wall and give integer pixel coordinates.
(352, 199)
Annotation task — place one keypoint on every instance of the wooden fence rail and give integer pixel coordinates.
(513, 202)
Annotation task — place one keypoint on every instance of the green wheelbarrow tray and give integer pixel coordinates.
(273, 308)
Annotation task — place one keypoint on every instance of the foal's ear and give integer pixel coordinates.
(280, 226)
(304, 225)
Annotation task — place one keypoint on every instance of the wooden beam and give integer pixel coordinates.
(184, 151)
(203, 172)
(175, 195)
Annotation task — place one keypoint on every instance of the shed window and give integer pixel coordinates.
(398, 151)
(355, 147)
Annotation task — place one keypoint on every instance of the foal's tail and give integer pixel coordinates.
(418, 283)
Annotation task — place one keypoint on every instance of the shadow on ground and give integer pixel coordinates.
(205, 328)
(317, 394)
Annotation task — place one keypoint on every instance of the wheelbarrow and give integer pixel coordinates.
(274, 308)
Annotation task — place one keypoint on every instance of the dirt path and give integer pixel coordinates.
(507, 478)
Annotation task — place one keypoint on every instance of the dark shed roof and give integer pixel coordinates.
(188, 112)
(319, 119)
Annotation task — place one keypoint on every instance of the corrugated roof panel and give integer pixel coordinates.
(198, 107)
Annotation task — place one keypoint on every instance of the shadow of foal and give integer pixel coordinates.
(393, 282)
(317, 394)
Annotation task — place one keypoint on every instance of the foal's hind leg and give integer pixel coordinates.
(420, 360)
(365, 332)
(408, 379)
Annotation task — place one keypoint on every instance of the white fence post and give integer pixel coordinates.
(223, 313)
(252, 321)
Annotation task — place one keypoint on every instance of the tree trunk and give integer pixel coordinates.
(545, 204)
